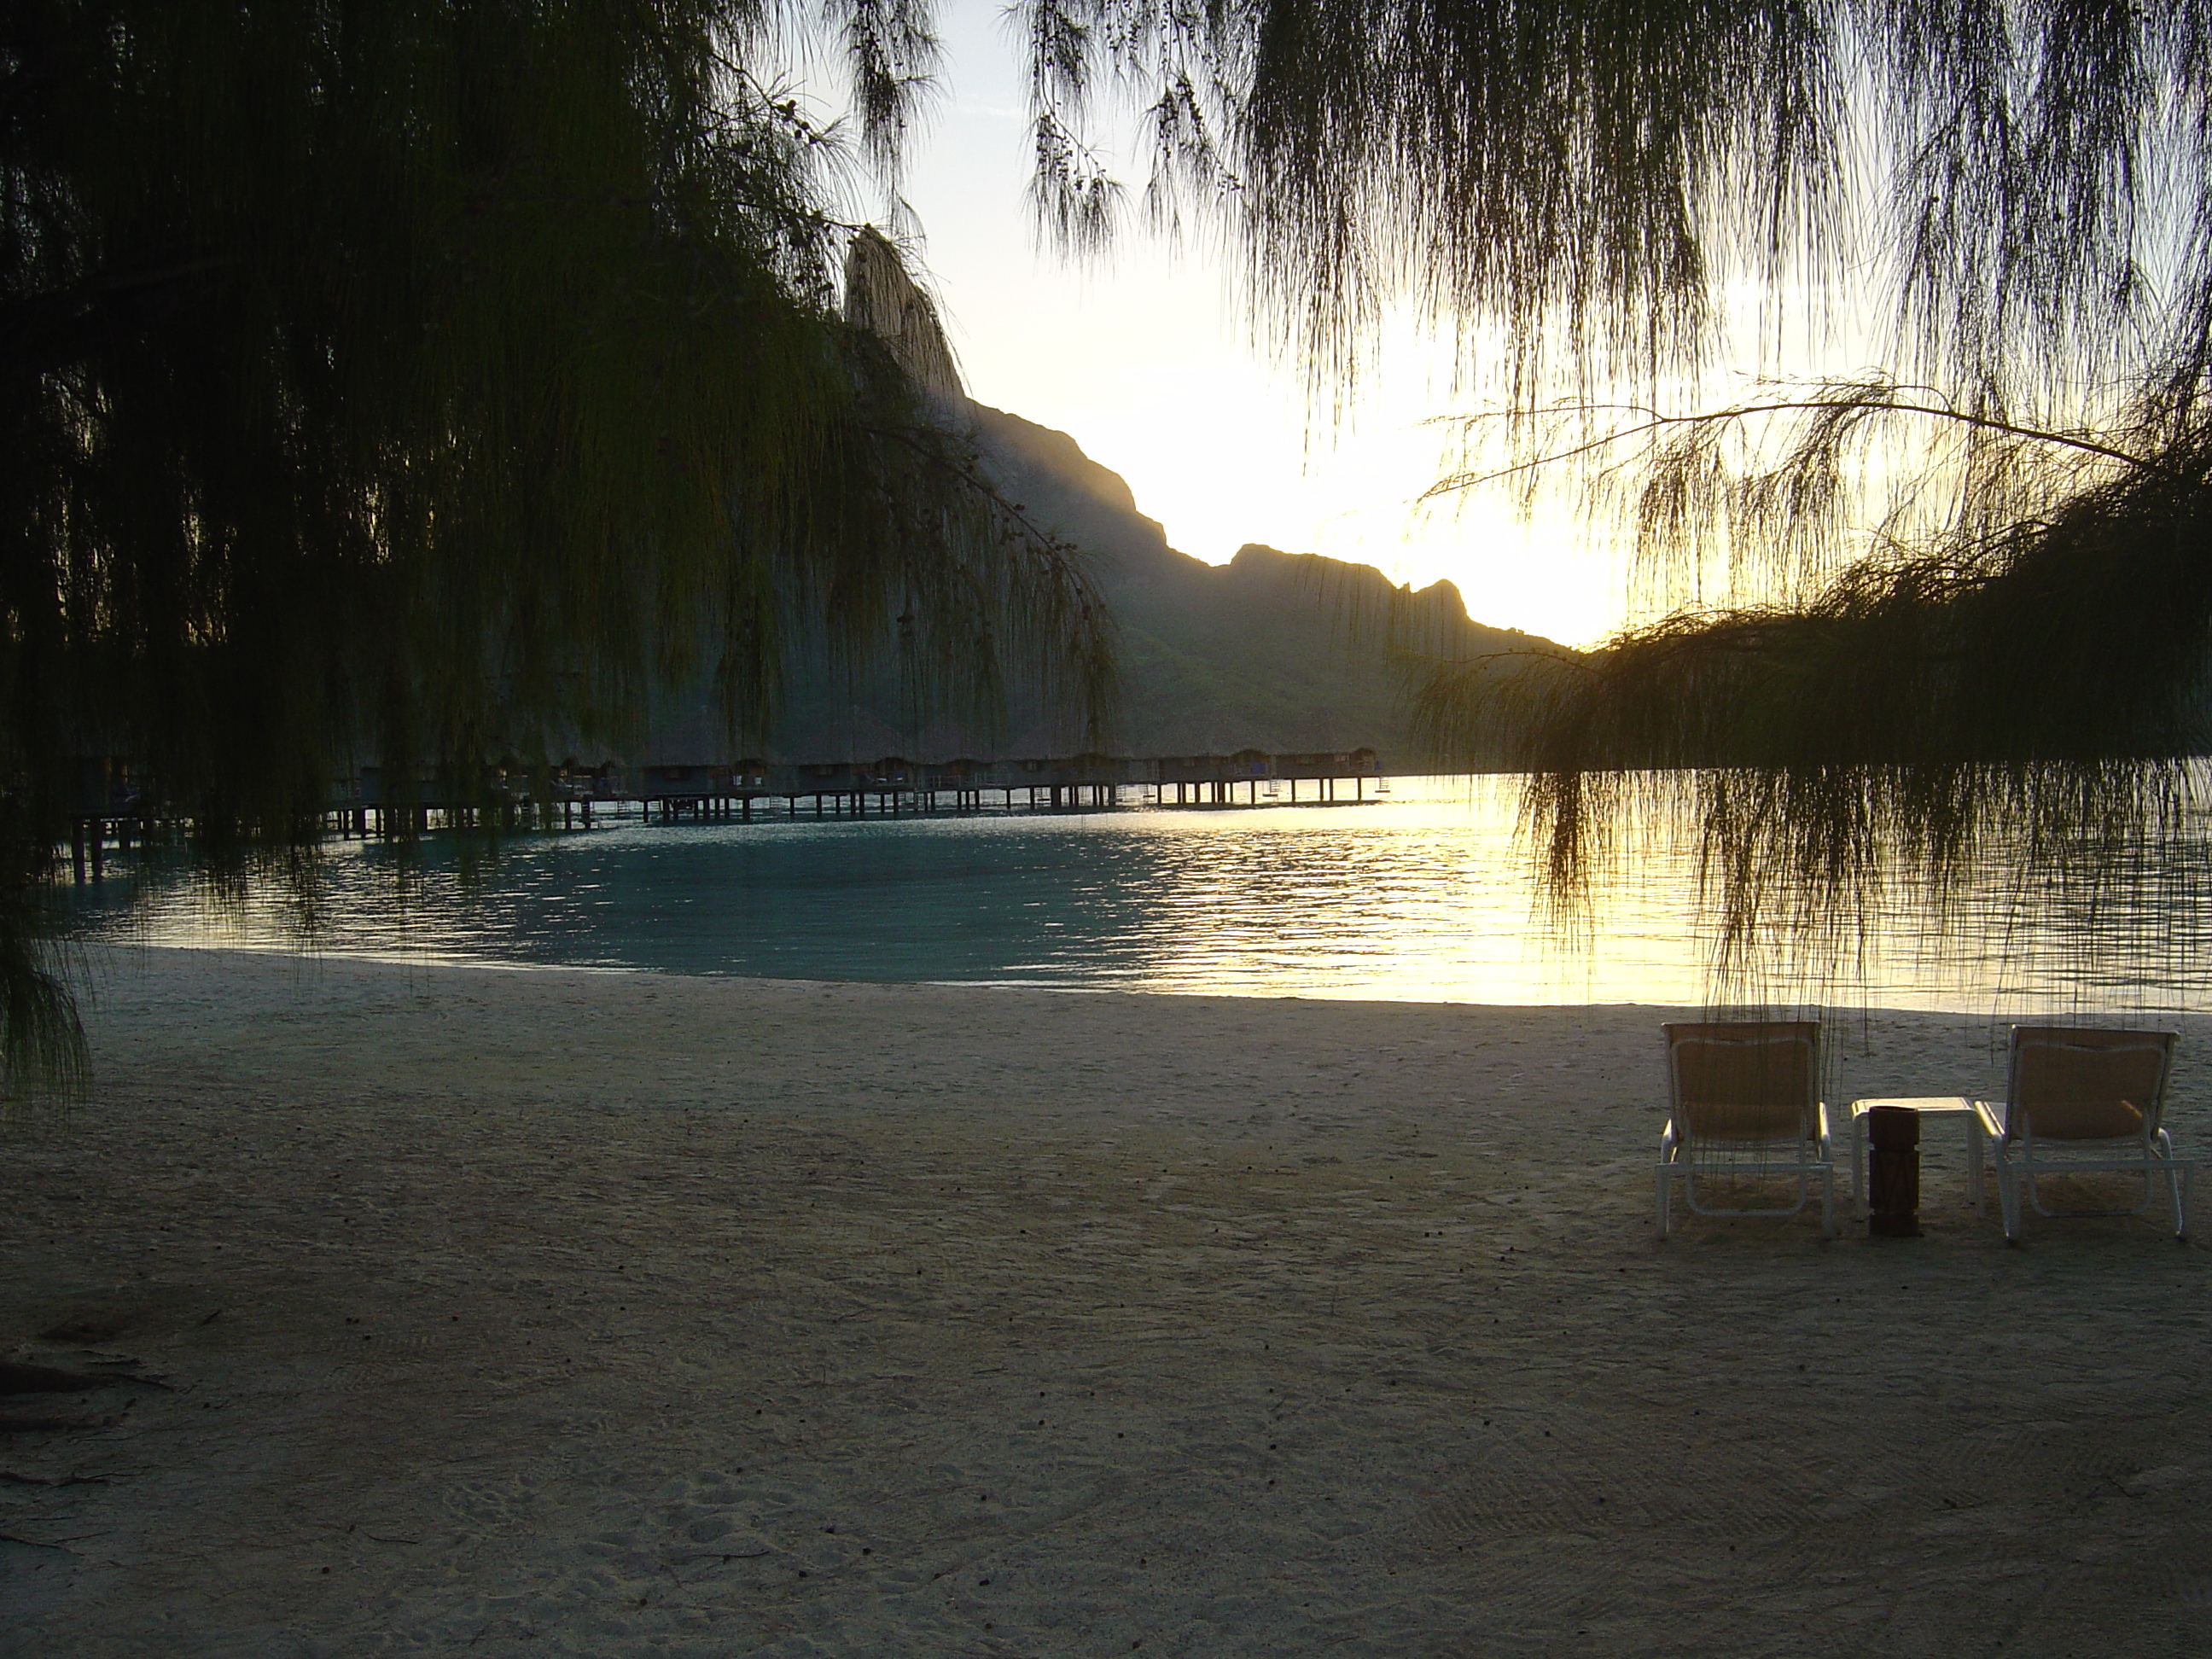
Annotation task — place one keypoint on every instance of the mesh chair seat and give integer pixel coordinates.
(2086, 1101)
(1744, 1101)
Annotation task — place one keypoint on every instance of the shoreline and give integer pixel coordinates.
(1838, 1013)
(609, 1312)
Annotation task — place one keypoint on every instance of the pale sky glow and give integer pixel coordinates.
(1145, 359)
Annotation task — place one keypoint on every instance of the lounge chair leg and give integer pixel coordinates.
(1665, 1220)
(2009, 1201)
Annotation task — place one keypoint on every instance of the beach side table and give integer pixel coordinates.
(1928, 1106)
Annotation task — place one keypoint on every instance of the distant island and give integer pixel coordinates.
(1274, 651)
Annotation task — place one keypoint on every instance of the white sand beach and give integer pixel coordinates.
(556, 1313)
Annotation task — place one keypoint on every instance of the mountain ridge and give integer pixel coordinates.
(1276, 651)
(1286, 653)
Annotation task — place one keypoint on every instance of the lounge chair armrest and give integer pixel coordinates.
(1992, 1125)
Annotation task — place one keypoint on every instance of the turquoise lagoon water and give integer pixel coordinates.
(1424, 896)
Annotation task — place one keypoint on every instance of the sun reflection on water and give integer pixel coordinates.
(1425, 896)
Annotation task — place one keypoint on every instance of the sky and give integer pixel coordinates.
(1145, 357)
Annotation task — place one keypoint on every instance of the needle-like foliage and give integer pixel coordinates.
(422, 383)
(2005, 700)
(2018, 186)
(1941, 620)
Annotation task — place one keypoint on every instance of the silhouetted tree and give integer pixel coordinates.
(1973, 592)
(423, 382)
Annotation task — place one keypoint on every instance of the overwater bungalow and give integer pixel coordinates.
(1328, 764)
(679, 785)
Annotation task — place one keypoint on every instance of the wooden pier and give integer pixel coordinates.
(114, 815)
(894, 786)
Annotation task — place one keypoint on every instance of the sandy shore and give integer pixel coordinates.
(551, 1313)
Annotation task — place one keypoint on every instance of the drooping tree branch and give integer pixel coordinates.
(425, 383)
(1854, 399)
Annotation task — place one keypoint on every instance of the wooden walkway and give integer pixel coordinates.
(364, 806)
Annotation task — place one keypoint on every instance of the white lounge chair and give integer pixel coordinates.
(1744, 1101)
(2080, 1101)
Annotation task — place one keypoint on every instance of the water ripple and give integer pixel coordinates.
(1424, 897)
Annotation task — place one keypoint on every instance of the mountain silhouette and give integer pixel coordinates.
(1279, 652)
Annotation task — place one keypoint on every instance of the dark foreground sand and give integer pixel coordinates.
(538, 1314)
